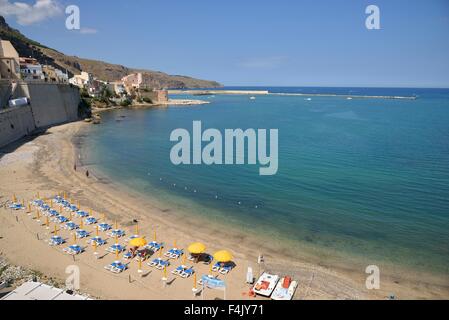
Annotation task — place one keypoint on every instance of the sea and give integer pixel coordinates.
(360, 178)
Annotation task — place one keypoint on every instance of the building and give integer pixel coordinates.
(94, 88)
(135, 82)
(117, 88)
(82, 80)
(161, 96)
(9, 61)
(30, 69)
(39, 291)
(155, 96)
(53, 74)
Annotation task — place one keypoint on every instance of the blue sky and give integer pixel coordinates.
(282, 43)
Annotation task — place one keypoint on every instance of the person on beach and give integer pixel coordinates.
(74, 167)
(87, 173)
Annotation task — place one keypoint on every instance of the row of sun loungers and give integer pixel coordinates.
(98, 241)
(116, 267)
(16, 206)
(74, 249)
(183, 271)
(116, 248)
(159, 263)
(81, 234)
(173, 253)
(223, 269)
(116, 233)
(155, 246)
(56, 241)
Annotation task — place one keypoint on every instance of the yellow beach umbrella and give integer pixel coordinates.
(138, 242)
(223, 256)
(197, 248)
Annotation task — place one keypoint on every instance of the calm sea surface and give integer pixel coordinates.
(363, 177)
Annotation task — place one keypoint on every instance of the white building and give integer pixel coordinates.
(82, 80)
(30, 69)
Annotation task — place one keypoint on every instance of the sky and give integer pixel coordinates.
(253, 43)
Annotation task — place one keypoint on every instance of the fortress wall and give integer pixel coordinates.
(15, 123)
(53, 103)
(50, 104)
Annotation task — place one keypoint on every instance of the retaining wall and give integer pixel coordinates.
(51, 104)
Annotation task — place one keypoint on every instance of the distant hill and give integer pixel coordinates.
(102, 70)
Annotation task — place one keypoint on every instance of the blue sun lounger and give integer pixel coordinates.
(65, 203)
(74, 249)
(116, 233)
(56, 241)
(53, 213)
(37, 202)
(71, 226)
(178, 270)
(116, 267)
(16, 206)
(82, 214)
(158, 263)
(98, 240)
(216, 267)
(116, 247)
(174, 253)
(187, 273)
(82, 234)
(155, 246)
(104, 227)
(90, 220)
(61, 219)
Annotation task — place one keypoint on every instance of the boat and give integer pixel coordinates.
(285, 289)
(252, 98)
(266, 284)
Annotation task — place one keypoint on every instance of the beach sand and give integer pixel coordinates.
(45, 164)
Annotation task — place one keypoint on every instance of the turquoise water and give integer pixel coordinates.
(365, 177)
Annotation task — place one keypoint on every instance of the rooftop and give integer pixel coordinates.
(39, 291)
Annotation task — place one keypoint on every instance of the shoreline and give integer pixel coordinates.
(170, 102)
(46, 164)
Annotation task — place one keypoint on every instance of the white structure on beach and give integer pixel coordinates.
(39, 291)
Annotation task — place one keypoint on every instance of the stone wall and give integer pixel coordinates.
(50, 104)
(15, 123)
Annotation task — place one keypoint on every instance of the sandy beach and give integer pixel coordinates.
(45, 164)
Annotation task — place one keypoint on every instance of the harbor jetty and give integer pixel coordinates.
(266, 92)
